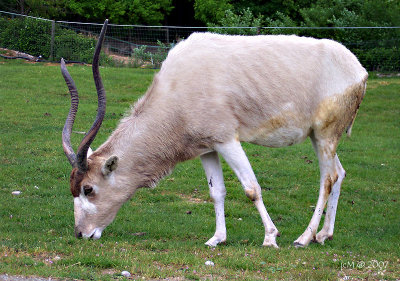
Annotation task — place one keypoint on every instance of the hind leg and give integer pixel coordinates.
(326, 152)
(327, 230)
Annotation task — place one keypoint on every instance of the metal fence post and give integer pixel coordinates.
(53, 27)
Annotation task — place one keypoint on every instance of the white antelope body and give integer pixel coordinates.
(213, 92)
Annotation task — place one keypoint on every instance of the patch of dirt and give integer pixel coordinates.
(386, 75)
(51, 64)
(126, 60)
(195, 197)
(109, 271)
(121, 59)
(6, 277)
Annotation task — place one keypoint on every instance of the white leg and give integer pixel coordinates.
(215, 180)
(327, 230)
(237, 160)
(326, 156)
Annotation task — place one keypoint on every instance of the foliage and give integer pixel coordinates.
(123, 11)
(26, 35)
(280, 20)
(34, 36)
(211, 11)
(379, 46)
(40, 8)
(142, 55)
(119, 12)
(331, 13)
(379, 59)
(153, 236)
(289, 8)
(160, 54)
(377, 49)
(72, 46)
(244, 18)
(370, 46)
(301, 12)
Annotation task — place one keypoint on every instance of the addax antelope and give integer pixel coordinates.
(212, 93)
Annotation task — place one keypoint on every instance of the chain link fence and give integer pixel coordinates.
(378, 48)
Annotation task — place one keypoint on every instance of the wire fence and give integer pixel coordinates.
(378, 48)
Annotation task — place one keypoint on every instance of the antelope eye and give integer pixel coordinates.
(87, 189)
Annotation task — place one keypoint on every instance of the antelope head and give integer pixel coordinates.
(92, 179)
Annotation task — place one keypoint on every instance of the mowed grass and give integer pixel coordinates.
(160, 233)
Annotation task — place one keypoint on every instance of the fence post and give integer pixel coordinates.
(53, 27)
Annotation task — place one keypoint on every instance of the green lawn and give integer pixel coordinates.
(153, 236)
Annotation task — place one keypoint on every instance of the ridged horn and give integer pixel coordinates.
(80, 159)
(66, 133)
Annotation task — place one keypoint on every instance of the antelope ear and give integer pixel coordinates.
(110, 165)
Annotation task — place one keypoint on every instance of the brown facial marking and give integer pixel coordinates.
(75, 181)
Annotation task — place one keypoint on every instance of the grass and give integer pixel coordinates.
(153, 236)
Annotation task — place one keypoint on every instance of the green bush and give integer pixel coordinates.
(155, 59)
(26, 35)
(3, 23)
(72, 46)
(379, 59)
(33, 37)
(243, 19)
(141, 56)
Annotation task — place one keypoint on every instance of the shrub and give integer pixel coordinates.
(72, 46)
(244, 18)
(141, 56)
(26, 35)
(33, 36)
(379, 59)
(155, 59)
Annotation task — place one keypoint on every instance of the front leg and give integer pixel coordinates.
(212, 167)
(236, 158)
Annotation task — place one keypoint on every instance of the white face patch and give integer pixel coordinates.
(82, 203)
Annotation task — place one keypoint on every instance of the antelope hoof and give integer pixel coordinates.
(270, 240)
(214, 241)
(302, 242)
(298, 245)
(270, 244)
(322, 236)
